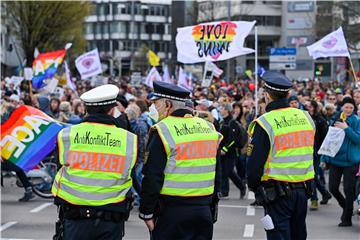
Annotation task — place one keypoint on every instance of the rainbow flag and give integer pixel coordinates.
(45, 66)
(28, 136)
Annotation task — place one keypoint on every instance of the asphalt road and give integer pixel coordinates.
(237, 220)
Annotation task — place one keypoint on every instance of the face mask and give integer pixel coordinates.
(116, 113)
(153, 113)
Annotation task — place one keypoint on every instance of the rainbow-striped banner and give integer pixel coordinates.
(45, 66)
(28, 136)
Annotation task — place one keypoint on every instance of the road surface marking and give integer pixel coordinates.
(250, 211)
(6, 225)
(41, 207)
(249, 231)
(251, 196)
(17, 239)
(232, 206)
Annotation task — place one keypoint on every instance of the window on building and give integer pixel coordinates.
(104, 28)
(143, 28)
(106, 45)
(89, 28)
(160, 29)
(100, 9)
(106, 9)
(149, 28)
(115, 45)
(98, 28)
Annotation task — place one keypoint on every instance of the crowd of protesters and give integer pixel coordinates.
(220, 104)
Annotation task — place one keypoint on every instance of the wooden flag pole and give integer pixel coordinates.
(353, 70)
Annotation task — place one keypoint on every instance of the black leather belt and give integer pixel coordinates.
(90, 213)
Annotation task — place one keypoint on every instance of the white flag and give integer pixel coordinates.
(166, 75)
(213, 41)
(69, 81)
(89, 64)
(152, 76)
(332, 45)
(216, 71)
(185, 80)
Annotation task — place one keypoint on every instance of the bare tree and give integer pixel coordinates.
(48, 25)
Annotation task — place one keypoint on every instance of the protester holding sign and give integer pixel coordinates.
(346, 161)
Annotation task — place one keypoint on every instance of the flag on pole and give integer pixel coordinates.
(166, 75)
(332, 45)
(212, 41)
(215, 69)
(185, 80)
(154, 59)
(28, 136)
(152, 76)
(69, 81)
(45, 66)
(89, 64)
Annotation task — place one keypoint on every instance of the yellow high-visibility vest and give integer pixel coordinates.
(291, 133)
(97, 160)
(191, 145)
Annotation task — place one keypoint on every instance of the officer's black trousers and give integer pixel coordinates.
(288, 215)
(92, 229)
(185, 222)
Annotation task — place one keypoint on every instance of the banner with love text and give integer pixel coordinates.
(214, 41)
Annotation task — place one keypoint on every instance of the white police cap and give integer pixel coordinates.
(100, 96)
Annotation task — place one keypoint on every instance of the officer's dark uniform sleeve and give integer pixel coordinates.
(217, 188)
(153, 171)
(258, 151)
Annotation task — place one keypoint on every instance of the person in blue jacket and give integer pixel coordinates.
(346, 162)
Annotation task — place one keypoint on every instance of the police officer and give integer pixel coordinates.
(92, 185)
(280, 161)
(180, 174)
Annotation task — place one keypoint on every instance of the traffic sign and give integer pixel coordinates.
(282, 66)
(282, 51)
(282, 58)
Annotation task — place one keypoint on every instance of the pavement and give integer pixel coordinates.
(237, 220)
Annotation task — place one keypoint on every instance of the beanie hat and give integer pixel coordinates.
(348, 100)
(293, 98)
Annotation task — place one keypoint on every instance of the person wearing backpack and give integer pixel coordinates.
(228, 148)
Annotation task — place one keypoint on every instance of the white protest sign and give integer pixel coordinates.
(208, 76)
(332, 142)
(213, 41)
(28, 73)
(89, 64)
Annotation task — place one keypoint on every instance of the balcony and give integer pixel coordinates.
(155, 36)
(158, 19)
(92, 18)
(89, 37)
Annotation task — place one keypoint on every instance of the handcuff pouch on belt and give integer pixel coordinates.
(271, 191)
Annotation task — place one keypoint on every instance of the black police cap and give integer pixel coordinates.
(277, 81)
(169, 91)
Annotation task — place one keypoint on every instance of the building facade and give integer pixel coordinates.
(123, 30)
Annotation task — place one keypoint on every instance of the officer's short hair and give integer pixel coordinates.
(276, 95)
(99, 109)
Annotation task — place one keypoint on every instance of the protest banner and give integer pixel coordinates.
(214, 41)
(152, 76)
(89, 64)
(28, 136)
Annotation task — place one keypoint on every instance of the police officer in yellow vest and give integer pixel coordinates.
(180, 174)
(280, 161)
(92, 185)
